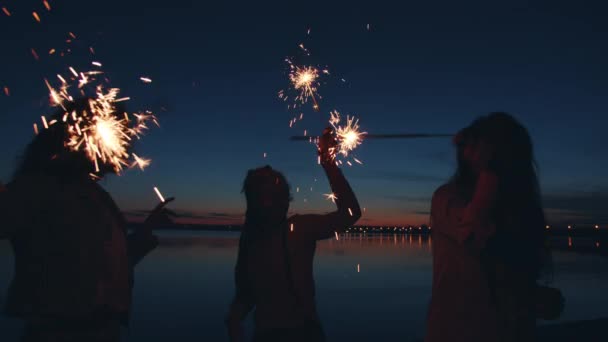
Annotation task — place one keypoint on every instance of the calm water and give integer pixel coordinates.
(183, 288)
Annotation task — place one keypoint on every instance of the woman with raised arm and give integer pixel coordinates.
(74, 259)
(274, 272)
(488, 240)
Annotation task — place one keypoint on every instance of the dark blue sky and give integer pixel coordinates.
(432, 67)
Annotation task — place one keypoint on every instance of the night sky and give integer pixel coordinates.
(420, 68)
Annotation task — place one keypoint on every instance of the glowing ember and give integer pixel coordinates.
(7, 91)
(337, 236)
(142, 163)
(145, 79)
(291, 227)
(160, 196)
(5, 10)
(47, 5)
(36, 16)
(331, 197)
(35, 54)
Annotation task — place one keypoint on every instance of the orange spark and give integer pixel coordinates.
(145, 79)
(47, 5)
(36, 16)
(331, 197)
(7, 91)
(142, 163)
(5, 10)
(35, 54)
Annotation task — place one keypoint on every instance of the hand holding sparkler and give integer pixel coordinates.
(160, 216)
(327, 146)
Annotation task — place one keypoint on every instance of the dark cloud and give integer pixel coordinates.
(401, 176)
(584, 207)
(189, 215)
(408, 199)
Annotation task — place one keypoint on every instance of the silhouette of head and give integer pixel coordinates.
(268, 195)
(509, 142)
(48, 153)
(518, 206)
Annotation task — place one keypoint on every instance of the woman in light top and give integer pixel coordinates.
(488, 239)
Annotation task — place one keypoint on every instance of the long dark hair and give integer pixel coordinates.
(264, 179)
(518, 215)
(48, 155)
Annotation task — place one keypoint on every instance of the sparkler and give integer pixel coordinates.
(382, 136)
(95, 126)
(305, 80)
(160, 196)
(348, 136)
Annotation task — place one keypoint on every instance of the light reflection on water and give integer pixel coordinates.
(183, 288)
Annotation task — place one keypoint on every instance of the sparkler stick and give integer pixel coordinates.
(160, 196)
(380, 136)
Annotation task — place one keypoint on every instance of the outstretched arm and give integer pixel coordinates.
(142, 241)
(348, 210)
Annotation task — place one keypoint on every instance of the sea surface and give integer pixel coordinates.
(369, 288)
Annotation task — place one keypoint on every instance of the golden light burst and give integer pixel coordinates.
(348, 135)
(305, 80)
(98, 129)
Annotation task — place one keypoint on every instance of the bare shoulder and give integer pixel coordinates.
(446, 191)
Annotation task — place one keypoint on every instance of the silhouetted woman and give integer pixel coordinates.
(488, 240)
(73, 257)
(274, 267)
